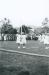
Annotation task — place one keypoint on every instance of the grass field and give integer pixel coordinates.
(13, 63)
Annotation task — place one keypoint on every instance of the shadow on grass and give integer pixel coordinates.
(41, 69)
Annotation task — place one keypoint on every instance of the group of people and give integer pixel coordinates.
(44, 38)
(21, 40)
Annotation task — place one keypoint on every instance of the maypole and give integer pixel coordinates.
(21, 30)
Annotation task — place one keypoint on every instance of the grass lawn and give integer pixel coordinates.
(31, 47)
(20, 64)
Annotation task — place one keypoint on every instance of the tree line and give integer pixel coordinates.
(7, 28)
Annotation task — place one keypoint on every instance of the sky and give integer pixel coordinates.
(28, 12)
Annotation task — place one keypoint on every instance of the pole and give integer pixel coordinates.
(21, 30)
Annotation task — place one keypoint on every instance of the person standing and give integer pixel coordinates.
(23, 40)
(18, 40)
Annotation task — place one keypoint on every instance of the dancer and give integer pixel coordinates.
(46, 41)
(23, 40)
(18, 40)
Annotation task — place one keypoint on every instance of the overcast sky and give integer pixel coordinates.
(29, 12)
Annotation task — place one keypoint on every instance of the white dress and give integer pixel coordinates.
(23, 40)
(40, 38)
(18, 38)
(5, 37)
(43, 37)
(46, 40)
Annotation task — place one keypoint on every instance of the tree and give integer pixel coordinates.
(45, 25)
(12, 31)
(8, 29)
(6, 26)
(25, 29)
(45, 22)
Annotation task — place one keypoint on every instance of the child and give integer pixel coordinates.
(40, 38)
(18, 40)
(43, 37)
(46, 41)
(23, 40)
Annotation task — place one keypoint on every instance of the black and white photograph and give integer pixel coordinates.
(24, 37)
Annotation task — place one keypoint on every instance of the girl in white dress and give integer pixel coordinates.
(40, 38)
(4, 38)
(43, 37)
(46, 41)
(18, 40)
(23, 41)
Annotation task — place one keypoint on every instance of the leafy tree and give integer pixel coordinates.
(45, 22)
(45, 25)
(6, 26)
(12, 31)
(25, 29)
